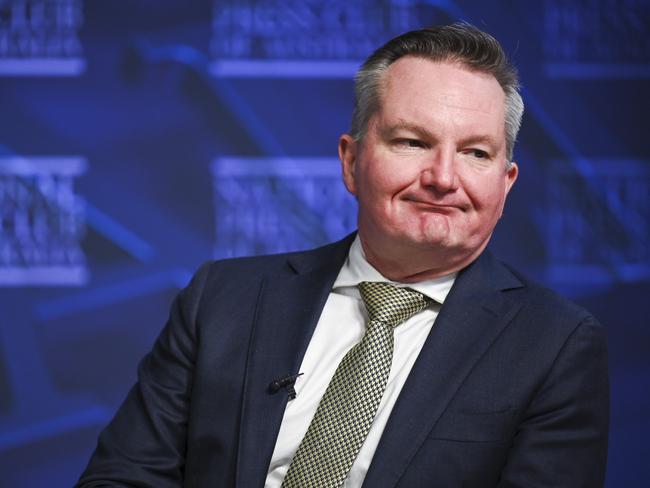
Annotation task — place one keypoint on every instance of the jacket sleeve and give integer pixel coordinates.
(562, 440)
(145, 443)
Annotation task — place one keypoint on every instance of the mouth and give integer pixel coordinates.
(434, 206)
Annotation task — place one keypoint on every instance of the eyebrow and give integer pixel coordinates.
(488, 140)
(389, 132)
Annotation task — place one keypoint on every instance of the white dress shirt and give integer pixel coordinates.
(342, 325)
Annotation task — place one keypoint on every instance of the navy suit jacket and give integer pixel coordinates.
(509, 390)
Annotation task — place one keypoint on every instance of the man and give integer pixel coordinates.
(482, 379)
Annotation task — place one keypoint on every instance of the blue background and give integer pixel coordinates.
(199, 141)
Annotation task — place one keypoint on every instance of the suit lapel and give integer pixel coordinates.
(288, 309)
(474, 314)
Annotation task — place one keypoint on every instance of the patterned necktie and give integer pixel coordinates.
(348, 407)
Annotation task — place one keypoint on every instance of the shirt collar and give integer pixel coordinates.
(356, 269)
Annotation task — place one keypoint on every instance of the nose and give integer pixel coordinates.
(440, 173)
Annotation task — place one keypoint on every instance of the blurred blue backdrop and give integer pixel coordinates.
(141, 138)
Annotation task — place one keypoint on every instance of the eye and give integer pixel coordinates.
(409, 143)
(478, 153)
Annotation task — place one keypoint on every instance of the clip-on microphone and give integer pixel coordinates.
(286, 382)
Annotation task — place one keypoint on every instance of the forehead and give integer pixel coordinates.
(431, 93)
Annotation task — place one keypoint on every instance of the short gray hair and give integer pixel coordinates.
(460, 42)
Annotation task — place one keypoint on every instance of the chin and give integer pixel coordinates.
(428, 241)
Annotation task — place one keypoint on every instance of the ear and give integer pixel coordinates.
(348, 149)
(511, 176)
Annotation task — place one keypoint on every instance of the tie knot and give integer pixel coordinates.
(389, 304)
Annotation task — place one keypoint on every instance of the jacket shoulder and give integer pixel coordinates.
(547, 305)
(238, 271)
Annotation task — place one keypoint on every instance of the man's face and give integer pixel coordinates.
(430, 173)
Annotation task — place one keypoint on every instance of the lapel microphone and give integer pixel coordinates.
(287, 382)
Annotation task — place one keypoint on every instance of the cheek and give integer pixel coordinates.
(375, 183)
(485, 191)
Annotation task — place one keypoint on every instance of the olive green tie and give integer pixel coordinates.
(348, 407)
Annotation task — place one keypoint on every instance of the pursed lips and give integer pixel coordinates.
(434, 206)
